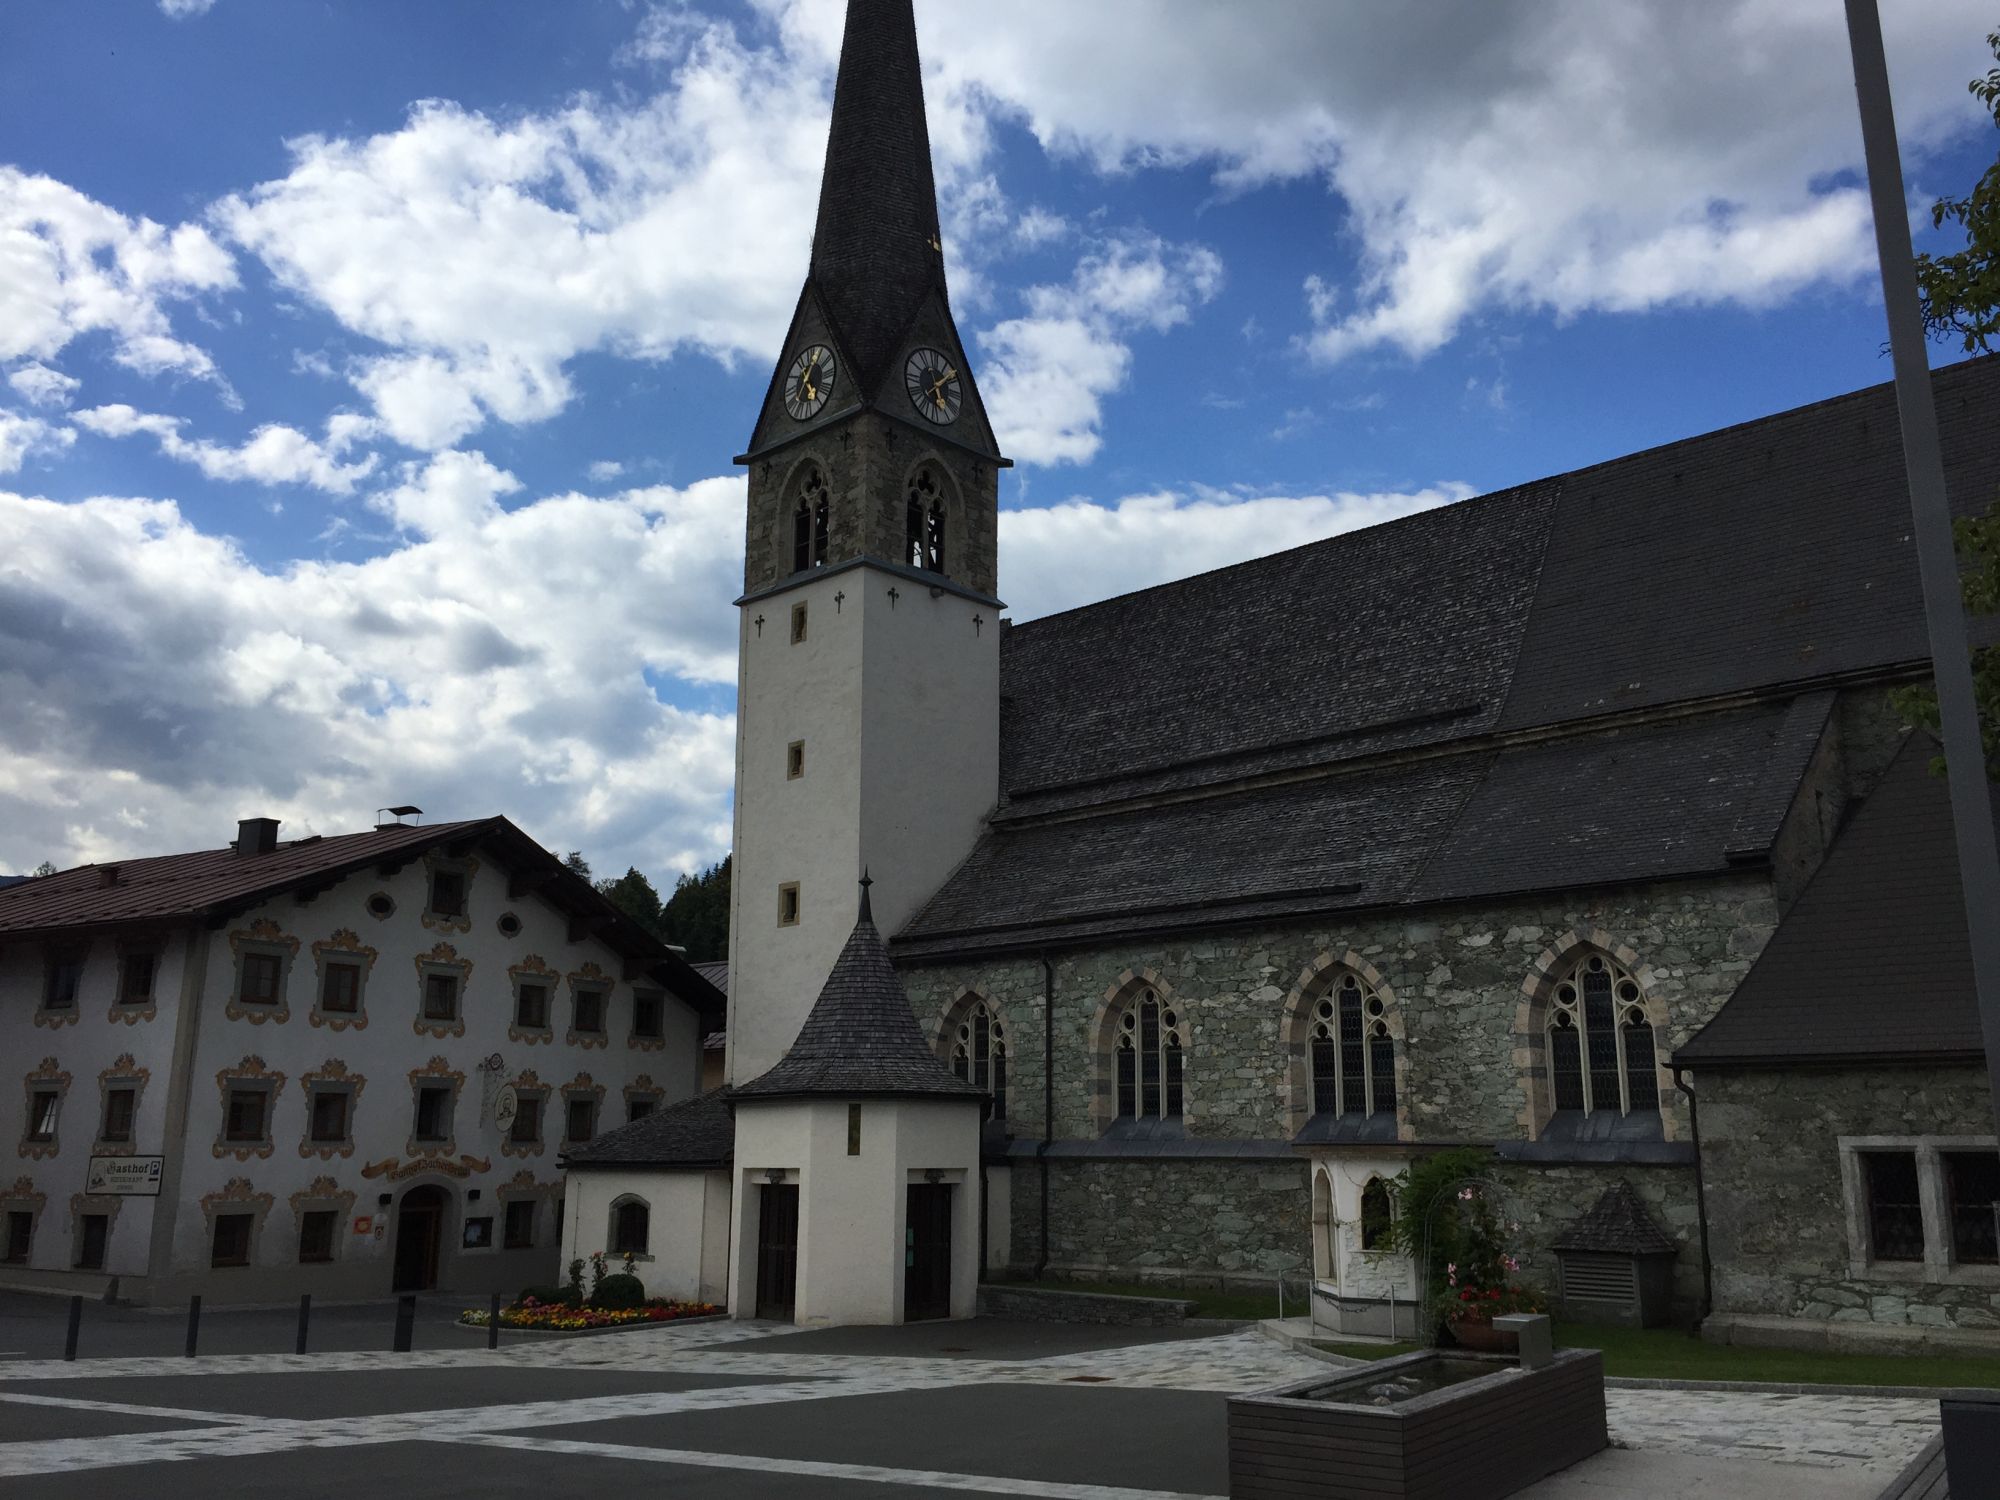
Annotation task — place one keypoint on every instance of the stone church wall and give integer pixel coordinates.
(1782, 1225)
(1226, 1221)
(1454, 978)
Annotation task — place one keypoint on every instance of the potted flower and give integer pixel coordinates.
(1448, 1218)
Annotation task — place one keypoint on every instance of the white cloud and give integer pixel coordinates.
(1045, 375)
(70, 266)
(183, 10)
(482, 256)
(22, 435)
(606, 469)
(273, 454)
(1082, 551)
(1556, 158)
(497, 664)
(452, 494)
(39, 385)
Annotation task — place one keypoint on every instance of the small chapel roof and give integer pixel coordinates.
(1617, 1224)
(1873, 961)
(697, 1132)
(861, 1039)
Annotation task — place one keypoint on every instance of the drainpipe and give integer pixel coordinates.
(1048, 1101)
(1700, 1198)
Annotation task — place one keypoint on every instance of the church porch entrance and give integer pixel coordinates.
(777, 1250)
(927, 1251)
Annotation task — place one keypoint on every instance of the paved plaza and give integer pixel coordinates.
(745, 1409)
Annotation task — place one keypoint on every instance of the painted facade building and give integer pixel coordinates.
(339, 1065)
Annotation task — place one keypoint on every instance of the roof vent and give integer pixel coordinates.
(396, 817)
(256, 835)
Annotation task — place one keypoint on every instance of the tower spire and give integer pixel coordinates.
(876, 250)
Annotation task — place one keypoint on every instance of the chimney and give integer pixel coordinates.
(256, 835)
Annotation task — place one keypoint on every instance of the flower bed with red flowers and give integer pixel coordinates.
(563, 1317)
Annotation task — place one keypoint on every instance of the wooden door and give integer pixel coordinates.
(419, 1232)
(927, 1251)
(777, 1250)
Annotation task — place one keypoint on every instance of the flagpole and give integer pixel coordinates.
(1944, 609)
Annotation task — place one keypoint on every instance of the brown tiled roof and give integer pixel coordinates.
(174, 888)
(211, 885)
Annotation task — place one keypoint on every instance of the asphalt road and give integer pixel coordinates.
(32, 1327)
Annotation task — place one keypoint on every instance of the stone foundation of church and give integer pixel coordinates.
(1782, 1231)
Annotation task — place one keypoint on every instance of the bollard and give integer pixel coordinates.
(305, 1321)
(194, 1326)
(75, 1327)
(493, 1324)
(406, 1322)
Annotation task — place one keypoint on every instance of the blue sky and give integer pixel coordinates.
(370, 372)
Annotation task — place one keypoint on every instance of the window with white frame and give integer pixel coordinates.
(1150, 1061)
(979, 1053)
(1350, 1051)
(1600, 1043)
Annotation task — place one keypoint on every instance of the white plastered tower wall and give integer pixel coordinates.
(895, 696)
(852, 1208)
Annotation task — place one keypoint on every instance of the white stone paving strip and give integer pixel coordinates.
(985, 1484)
(1867, 1435)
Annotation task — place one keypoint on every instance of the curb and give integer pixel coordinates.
(509, 1331)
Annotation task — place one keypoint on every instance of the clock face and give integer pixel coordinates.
(809, 383)
(934, 387)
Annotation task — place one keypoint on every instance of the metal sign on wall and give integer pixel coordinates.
(125, 1176)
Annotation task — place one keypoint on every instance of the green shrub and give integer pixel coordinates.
(545, 1295)
(619, 1291)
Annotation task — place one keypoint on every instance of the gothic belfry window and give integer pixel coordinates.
(1352, 1055)
(923, 523)
(979, 1055)
(1601, 1055)
(811, 523)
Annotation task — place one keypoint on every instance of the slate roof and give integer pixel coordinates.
(716, 974)
(210, 885)
(873, 256)
(1617, 1224)
(697, 1132)
(1651, 803)
(1487, 645)
(1873, 961)
(861, 1038)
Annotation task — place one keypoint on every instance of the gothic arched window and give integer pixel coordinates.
(1600, 1043)
(923, 523)
(1376, 1212)
(1150, 1061)
(1351, 1053)
(811, 523)
(978, 1049)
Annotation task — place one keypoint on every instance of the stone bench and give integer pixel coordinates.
(1923, 1478)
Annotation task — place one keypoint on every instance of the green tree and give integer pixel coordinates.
(696, 915)
(633, 894)
(576, 864)
(44, 868)
(1961, 299)
(1961, 291)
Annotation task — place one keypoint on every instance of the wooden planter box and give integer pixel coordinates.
(1476, 1440)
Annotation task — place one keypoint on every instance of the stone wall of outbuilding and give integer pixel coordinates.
(1779, 1213)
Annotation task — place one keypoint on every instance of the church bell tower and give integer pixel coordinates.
(869, 644)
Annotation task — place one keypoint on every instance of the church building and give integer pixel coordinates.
(1227, 898)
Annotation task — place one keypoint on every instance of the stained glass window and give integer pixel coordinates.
(1350, 1051)
(1600, 1042)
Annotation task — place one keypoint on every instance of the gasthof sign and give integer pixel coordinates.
(125, 1176)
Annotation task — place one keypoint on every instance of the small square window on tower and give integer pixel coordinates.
(788, 905)
(795, 760)
(798, 623)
